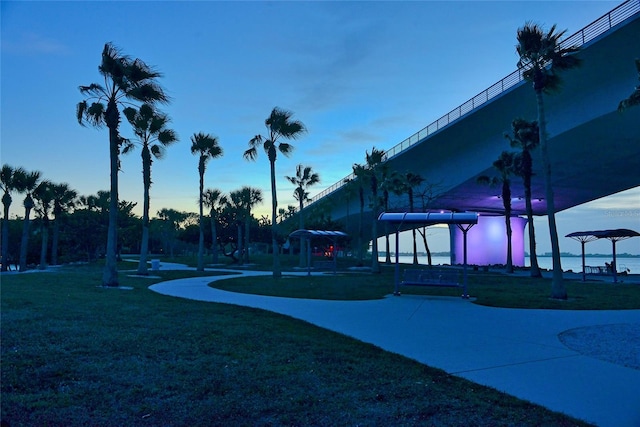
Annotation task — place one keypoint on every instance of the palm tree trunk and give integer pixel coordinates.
(44, 229)
(214, 237)
(277, 273)
(558, 290)
(24, 244)
(146, 178)
(247, 226)
(110, 272)
(303, 240)
(201, 221)
(535, 269)
(506, 199)
(56, 238)
(6, 201)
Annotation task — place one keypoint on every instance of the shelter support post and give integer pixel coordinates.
(464, 228)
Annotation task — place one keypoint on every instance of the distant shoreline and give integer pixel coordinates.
(545, 255)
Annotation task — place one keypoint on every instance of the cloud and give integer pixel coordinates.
(33, 44)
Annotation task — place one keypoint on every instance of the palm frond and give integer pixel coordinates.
(250, 154)
(285, 148)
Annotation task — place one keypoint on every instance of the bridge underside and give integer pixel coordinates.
(594, 149)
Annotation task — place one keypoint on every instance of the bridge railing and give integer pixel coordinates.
(583, 36)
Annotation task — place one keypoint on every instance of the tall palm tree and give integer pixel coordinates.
(26, 183)
(9, 181)
(505, 167)
(374, 161)
(64, 199)
(214, 200)
(541, 57)
(150, 129)
(411, 181)
(206, 147)
(124, 79)
(634, 98)
(279, 125)
(526, 137)
(305, 178)
(43, 194)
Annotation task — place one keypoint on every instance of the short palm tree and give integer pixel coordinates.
(360, 174)
(374, 162)
(505, 167)
(541, 57)
(279, 126)
(215, 201)
(26, 183)
(44, 196)
(526, 137)
(250, 197)
(634, 98)
(9, 179)
(304, 178)
(64, 199)
(150, 129)
(413, 180)
(124, 79)
(207, 148)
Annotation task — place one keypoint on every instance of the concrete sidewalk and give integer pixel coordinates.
(515, 351)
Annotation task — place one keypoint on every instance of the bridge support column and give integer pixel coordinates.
(487, 242)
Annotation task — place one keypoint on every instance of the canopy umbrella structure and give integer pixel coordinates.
(463, 220)
(328, 234)
(613, 235)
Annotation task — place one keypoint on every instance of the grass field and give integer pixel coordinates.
(74, 353)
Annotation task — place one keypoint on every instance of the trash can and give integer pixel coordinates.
(155, 264)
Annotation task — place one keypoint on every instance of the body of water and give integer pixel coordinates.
(568, 263)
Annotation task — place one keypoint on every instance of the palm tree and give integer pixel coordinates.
(391, 182)
(43, 194)
(64, 199)
(214, 200)
(124, 79)
(374, 161)
(250, 197)
(150, 129)
(505, 166)
(206, 146)
(26, 183)
(634, 98)
(305, 178)
(9, 179)
(541, 57)
(411, 181)
(360, 173)
(279, 125)
(526, 136)
(171, 221)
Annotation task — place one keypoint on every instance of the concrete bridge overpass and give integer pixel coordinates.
(594, 149)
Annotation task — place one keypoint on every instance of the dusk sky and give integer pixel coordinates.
(357, 74)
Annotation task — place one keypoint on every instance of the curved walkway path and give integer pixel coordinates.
(516, 351)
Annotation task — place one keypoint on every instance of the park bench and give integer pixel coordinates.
(431, 277)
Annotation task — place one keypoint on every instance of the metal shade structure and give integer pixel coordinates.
(613, 235)
(309, 234)
(463, 220)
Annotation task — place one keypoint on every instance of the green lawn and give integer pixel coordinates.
(488, 288)
(76, 354)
